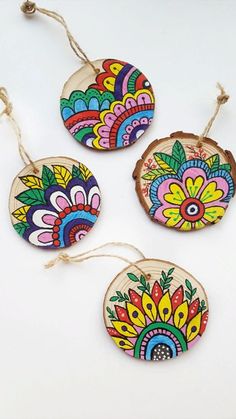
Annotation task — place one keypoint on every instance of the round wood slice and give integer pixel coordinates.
(155, 310)
(57, 206)
(110, 110)
(182, 185)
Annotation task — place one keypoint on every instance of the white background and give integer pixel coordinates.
(56, 359)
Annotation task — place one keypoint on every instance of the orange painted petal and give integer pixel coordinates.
(122, 314)
(177, 297)
(156, 292)
(204, 322)
(193, 309)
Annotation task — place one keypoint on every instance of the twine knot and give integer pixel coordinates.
(28, 7)
(222, 98)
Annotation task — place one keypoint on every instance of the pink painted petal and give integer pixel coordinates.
(135, 123)
(109, 119)
(130, 103)
(62, 202)
(41, 237)
(59, 200)
(119, 109)
(94, 197)
(143, 98)
(78, 195)
(49, 219)
(104, 131)
(44, 218)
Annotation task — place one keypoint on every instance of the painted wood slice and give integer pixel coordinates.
(155, 310)
(108, 111)
(183, 186)
(56, 207)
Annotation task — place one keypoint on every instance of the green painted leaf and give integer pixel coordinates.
(148, 287)
(126, 297)
(114, 298)
(143, 281)
(194, 291)
(141, 288)
(119, 294)
(154, 174)
(188, 295)
(170, 271)
(188, 284)
(21, 227)
(163, 274)
(178, 152)
(32, 197)
(162, 283)
(169, 279)
(133, 277)
(76, 172)
(213, 162)
(166, 286)
(226, 167)
(166, 162)
(48, 177)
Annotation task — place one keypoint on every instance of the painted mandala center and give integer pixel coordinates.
(192, 209)
(161, 352)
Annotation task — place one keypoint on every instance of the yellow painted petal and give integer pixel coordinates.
(186, 226)
(149, 306)
(123, 343)
(109, 83)
(177, 195)
(199, 224)
(214, 214)
(194, 327)
(116, 68)
(124, 328)
(194, 186)
(164, 307)
(211, 193)
(173, 216)
(136, 315)
(181, 315)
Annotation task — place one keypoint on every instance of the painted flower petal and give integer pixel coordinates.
(210, 193)
(199, 224)
(149, 306)
(177, 297)
(41, 237)
(164, 307)
(193, 309)
(122, 314)
(156, 292)
(123, 343)
(136, 299)
(214, 214)
(185, 226)
(78, 195)
(136, 316)
(194, 185)
(59, 200)
(94, 197)
(113, 332)
(173, 215)
(193, 327)
(204, 322)
(181, 315)
(177, 195)
(124, 328)
(44, 218)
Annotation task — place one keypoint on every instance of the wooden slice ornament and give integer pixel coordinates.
(107, 104)
(185, 181)
(54, 202)
(56, 208)
(153, 310)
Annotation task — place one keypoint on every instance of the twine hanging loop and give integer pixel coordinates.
(222, 98)
(8, 109)
(29, 8)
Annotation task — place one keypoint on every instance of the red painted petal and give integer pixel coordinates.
(193, 309)
(203, 322)
(122, 314)
(113, 332)
(156, 292)
(136, 299)
(177, 298)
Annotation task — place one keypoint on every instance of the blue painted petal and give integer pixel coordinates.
(80, 105)
(67, 113)
(105, 105)
(93, 104)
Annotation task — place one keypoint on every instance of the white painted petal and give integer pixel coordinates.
(42, 237)
(60, 201)
(78, 195)
(94, 198)
(44, 218)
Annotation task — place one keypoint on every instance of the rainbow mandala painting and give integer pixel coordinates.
(114, 111)
(155, 317)
(57, 207)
